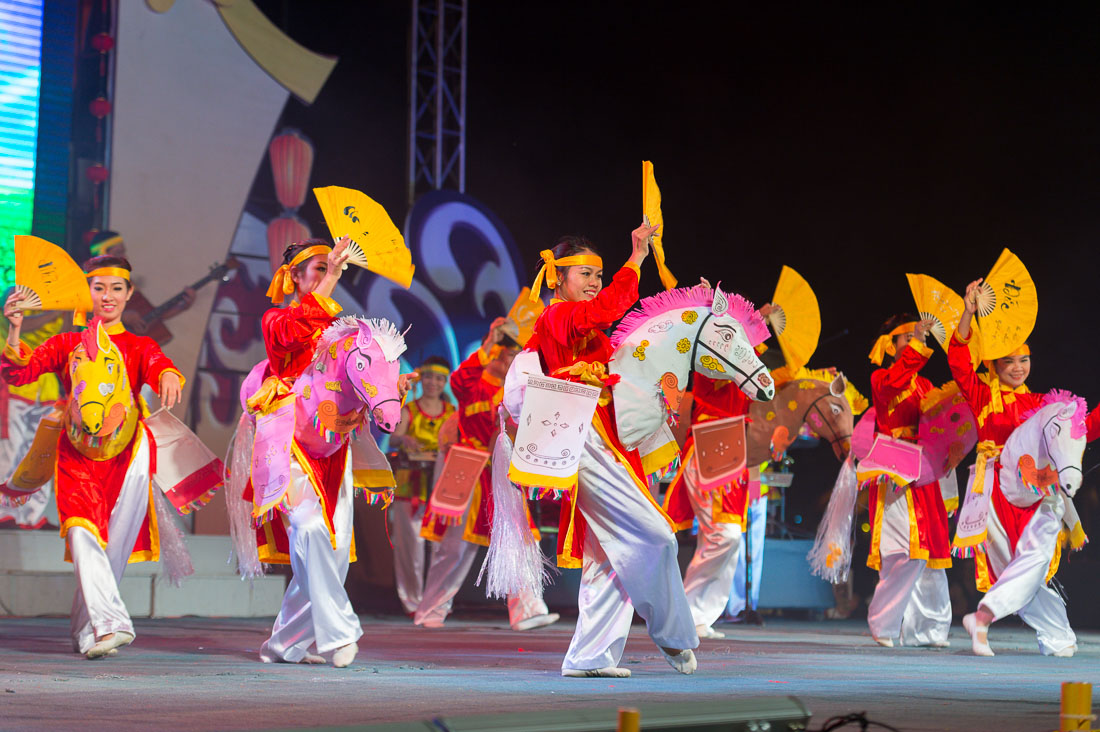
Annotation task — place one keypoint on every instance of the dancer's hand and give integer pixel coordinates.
(641, 239)
(14, 314)
(495, 335)
(924, 327)
(170, 389)
(405, 383)
(970, 300)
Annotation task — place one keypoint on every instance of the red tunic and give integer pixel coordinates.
(711, 399)
(290, 338)
(570, 333)
(88, 489)
(479, 394)
(896, 393)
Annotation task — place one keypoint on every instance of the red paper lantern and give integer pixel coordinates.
(100, 107)
(103, 42)
(291, 163)
(283, 231)
(97, 173)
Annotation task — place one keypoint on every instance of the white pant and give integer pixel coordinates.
(98, 609)
(408, 552)
(452, 558)
(629, 563)
(911, 601)
(709, 577)
(1020, 586)
(316, 610)
(758, 525)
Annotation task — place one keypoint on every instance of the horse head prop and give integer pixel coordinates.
(102, 414)
(1044, 453)
(672, 333)
(354, 373)
(819, 403)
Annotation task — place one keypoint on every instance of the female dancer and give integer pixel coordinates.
(105, 506)
(1012, 573)
(314, 535)
(910, 546)
(613, 529)
(417, 436)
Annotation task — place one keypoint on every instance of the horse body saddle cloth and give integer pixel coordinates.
(898, 460)
(455, 486)
(720, 452)
(553, 425)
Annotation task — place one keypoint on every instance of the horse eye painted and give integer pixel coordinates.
(359, 365)
(836, 408)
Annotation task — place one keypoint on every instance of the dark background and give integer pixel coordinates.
(854, 145)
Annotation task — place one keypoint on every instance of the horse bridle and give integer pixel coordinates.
(695, 347)
(813, 405)
(1046, 450)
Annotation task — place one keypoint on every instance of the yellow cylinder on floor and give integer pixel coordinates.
(1076, 707)
(630, 720)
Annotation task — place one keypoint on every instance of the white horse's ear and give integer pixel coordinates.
(721, 304)
(1067, 411)
(838, 386)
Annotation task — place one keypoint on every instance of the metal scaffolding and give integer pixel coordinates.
(437, 97)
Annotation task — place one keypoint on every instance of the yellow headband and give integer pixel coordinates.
(996, 403)
(109, 272)
(435, 369)
(884, 346)
(79, 316)
(550, 266)
(282, 284)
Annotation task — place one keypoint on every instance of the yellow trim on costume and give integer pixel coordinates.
(549, 269)
(427, 531)
(981, 571)
(902, 396)
(951, 505)
(999, 394)
(373, 478)
(916, 551)
(633, 267)
(687, 456)
(728, 517)
(1063, 535)
(109, 272)
(938, 563)
(267, 552)
(84, 524)
(884, 344)
(484, 358)
(303, 463)
(537, 480)
(282, 283)
(175, 371)
(1077, 538)
(659, 458)
(874, 558)
(469, 532)
(152, 554)
(20, 356)
(567, 560)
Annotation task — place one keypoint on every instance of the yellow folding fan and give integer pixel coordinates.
(376, 243)
(936, 301)
(1007, 306)
(48, 277)
(651, 209)
(795, 318)
(524, 313)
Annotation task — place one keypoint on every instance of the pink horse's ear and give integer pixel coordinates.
(365, 337)
(90, 338)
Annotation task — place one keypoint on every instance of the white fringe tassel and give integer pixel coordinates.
(174, 557)
(514, 561)
(831, 555)
(238, 466)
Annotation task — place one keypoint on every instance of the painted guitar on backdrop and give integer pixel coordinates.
(142, 318)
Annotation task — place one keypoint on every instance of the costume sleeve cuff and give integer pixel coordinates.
(632, 266)
(171, 371)
(963, 341)
(327, 304)
(19, 356)
(482, 357)
(920, 348)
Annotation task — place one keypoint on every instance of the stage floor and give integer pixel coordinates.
(204, 674)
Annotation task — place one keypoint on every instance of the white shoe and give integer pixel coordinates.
(940, 644)
(980, 648)
(608, 672)
(110, 646)
(706, 631)
(537, 621)
(1066, 652)
(684, 661)
(884, 642)
(345, 655)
